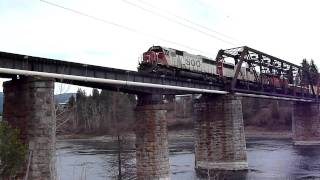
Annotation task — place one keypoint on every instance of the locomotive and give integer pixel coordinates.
(163, 60)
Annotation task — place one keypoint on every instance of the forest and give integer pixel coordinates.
(102, 112)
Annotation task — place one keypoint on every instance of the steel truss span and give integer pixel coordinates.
(271, 76)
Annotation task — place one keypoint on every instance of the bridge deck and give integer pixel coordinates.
(135, 82)
(97, 76)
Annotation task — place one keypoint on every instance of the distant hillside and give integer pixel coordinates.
(59, 98)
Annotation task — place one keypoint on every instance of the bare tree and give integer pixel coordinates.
(109, 113)
(122, 119)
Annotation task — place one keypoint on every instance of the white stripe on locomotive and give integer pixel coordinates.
(196, 63)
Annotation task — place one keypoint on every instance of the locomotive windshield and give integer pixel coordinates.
(156, 49)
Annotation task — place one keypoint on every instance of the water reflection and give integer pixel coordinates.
(221, 175)
(307, 162)
(267, 158)
(280, 159)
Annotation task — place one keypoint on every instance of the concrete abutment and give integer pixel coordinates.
(29, 107)
(152, 154)
(306, 123)
(219, 133)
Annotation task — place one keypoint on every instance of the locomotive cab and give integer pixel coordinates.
(155, 54)
(153, 57)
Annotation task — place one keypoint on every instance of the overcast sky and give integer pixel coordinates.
(119, 31)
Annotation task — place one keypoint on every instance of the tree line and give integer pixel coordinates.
(310, 74)
(102, 112)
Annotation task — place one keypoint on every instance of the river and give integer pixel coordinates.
(88, 159)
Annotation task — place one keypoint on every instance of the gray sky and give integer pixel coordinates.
(123, 29)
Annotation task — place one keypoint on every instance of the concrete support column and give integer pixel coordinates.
(29, 106)
(306, 123)
(152, 154)
(219, 133)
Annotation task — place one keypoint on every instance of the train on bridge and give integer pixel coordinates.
(170, 61)
(262, 69)
(240, 70)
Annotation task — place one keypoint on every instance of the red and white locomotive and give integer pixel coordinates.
(164, 60)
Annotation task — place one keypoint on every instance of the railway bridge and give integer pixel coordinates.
(219, 129)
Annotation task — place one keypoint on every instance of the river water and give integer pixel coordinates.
(267, 158)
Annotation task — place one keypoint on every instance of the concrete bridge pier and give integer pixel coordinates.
(219, 134)
(152, 154)
(306, 123)
(29, 107)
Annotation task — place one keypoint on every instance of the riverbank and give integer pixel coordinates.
(259, 132)
(250, 132)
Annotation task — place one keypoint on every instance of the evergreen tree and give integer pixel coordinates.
(309, 72)
(12, 151)
(95, 94)
(81, 110)
(305, 72)
(314, 72)
(71, 101)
